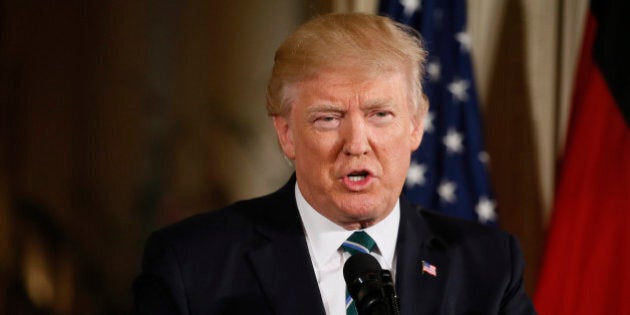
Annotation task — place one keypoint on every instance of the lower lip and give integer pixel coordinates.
(357, 185)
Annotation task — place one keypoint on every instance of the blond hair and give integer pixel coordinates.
(362, 43)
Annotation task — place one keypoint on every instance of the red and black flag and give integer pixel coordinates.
(586, 267)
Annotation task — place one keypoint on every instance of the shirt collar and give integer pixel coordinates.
(325, 237)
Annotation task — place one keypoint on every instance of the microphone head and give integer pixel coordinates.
(362, 273)
(359, 264)
(371, 287)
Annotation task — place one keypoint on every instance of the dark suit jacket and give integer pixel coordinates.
(252, 258)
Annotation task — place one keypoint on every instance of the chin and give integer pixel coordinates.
(363, 210)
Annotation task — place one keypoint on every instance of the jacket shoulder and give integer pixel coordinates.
(455, 230)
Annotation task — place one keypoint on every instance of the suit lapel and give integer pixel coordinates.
(282, 263)
(419, 291)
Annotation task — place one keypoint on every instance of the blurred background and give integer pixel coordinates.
(119, 117)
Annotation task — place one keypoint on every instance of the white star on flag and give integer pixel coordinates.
(447, 191)
(485, 210)
(464, 41)
(453, 141)
(434, 70)
(415, 175)
(484, 157)
(411, 6)
(459, 89)
(427, 122)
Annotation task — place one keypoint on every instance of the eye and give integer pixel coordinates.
(381, 116)
(326, 121)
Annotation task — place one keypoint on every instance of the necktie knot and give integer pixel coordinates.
(358, 242)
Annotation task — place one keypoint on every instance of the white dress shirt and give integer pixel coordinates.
(324, 239)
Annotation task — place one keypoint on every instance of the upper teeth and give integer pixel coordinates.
(356, 178)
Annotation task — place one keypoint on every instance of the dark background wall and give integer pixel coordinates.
(119, 117)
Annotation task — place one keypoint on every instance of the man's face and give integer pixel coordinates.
(351, 142)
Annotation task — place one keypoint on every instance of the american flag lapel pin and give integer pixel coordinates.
(428, 268)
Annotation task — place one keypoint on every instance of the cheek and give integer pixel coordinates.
(316, 145)
(396, 151)
(399, 157)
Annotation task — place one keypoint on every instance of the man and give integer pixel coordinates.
(346, 101)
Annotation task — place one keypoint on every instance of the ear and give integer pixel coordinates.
(285, 135)
(418, 122)
(416, 134)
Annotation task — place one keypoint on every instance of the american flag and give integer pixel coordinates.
(448, 172)
(428, 268)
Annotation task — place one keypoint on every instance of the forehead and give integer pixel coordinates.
(337, 85)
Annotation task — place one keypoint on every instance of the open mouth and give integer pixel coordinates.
(358, 176)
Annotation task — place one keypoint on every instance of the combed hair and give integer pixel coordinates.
(366, 44)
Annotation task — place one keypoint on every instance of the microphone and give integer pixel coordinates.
(371, 287)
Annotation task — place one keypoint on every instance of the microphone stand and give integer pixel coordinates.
(390, 293)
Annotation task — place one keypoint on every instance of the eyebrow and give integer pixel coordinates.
(324, 107)
(331, 107)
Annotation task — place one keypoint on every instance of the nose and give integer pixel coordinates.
(355, 135)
